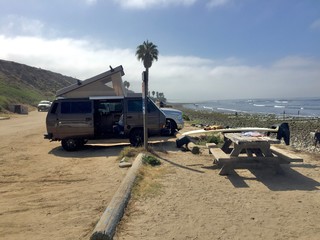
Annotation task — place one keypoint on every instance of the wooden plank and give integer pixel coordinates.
(218, 154)
(239, 138)
(285, 154)
(211, 145)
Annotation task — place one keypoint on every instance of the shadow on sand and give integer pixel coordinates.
(90, 151)
(291, 180)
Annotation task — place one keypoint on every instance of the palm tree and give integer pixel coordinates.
(147, 53)
(126, 84)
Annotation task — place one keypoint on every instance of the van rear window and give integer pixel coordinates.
(76, 107)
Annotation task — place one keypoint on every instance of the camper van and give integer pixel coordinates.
(101, 107)
(75, 121)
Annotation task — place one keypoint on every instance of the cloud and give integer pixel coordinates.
(142, 4)
(13, 24)
(90, 2)
(180, 78)
(315, 25)
(218, 3)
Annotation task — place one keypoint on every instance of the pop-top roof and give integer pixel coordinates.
(105, 84)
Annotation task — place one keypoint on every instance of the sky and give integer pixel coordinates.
(208, 49)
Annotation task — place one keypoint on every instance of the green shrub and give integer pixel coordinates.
(150, 160)
(214, 138)
(185, 117)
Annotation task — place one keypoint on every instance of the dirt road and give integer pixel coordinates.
(46, 192)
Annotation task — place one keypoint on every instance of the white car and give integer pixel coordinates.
(174, 118)
(44, 106)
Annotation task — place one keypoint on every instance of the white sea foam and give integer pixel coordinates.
(280, 101)
(227, 109)
(210, 108)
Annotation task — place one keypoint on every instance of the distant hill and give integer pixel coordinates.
(22, 84)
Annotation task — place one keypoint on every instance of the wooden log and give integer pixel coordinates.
(106, 227)
(193, 148)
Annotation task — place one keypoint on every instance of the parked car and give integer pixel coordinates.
(77, 120)
(174, 119)
(44, 106)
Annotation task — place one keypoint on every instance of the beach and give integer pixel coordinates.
(193, 201)
(188, 199)
(48, 193)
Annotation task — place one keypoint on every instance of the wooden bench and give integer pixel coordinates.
(219, 155)
(287, 156)
(211, 145)
(229, 163)
(222, 159)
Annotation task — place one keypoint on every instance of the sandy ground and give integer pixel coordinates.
(46, 192)
(197, 203)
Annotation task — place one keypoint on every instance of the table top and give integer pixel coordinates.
(249, 137)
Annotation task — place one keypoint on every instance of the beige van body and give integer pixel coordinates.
(74, 121)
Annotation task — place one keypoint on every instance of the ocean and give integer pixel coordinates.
(298, 107)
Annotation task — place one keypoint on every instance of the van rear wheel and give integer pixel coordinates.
(136, 138)
(70, 144)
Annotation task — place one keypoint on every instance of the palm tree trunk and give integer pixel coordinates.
(145, 113)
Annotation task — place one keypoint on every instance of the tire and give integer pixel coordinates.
(82, 142)
(136, 137)
(70, 144)
(171, 124)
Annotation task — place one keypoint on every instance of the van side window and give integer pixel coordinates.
(135, 105)
(76, 107)
(54, 108)
(109, 107)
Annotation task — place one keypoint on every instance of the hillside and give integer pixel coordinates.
(22, 84)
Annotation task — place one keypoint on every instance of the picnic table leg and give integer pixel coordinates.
(226, 145)
(276, 164)
(236, 150)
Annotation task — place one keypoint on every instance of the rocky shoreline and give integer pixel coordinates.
(301, 129)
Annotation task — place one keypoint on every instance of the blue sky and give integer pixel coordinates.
(208, 49)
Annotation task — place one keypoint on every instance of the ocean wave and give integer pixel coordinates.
(228, 109)
(259, 105)
(279, 106)
(281, 101)
(210, 108)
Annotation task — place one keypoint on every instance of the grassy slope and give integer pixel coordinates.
(22, 84)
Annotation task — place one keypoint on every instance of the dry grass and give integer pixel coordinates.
(148, 182)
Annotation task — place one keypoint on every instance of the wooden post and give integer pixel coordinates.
(145, 108)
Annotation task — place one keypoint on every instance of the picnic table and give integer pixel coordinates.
(245, 150)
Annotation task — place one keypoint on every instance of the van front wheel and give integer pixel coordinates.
(70, 144)
(136, 137)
